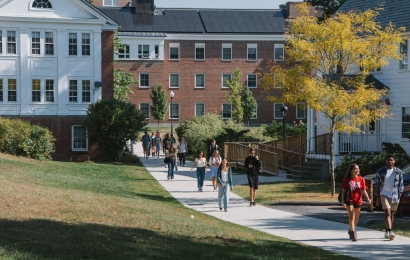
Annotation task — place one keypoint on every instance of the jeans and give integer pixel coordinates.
(171, 164)
(158, 146)
(200, 174)
(182, 157)
(223, 194)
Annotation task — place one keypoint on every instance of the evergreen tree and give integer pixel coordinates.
(159, 105)
(234, 96)
(249, 105)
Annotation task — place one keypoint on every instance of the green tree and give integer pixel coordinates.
(249, 105)
(122, 83)
(324, 56)
(234, 96)
(159, 105)
(110, 123)
(329, 6)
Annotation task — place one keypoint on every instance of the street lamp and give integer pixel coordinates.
(172, 117)
(284, 109)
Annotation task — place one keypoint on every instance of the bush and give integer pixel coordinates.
(18, 137)
(369, 164)
(275, 130)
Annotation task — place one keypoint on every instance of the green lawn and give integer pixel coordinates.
(65, 210)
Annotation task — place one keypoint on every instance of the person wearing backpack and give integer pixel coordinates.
(146, 141)
(158, 140)
(182, 151)
(153, 149)
(212, 147)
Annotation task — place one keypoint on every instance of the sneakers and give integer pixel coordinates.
(387, 235)
(168, 179)
(220, 208)
(391, 235)
(254, 203)
(226, 210)
(250, 204)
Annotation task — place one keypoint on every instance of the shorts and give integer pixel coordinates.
(253, 181)
(388, 204)
(214, 171)
(356, 206)
(146, 147)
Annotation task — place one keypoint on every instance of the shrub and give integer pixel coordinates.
(18, 137)
(369, 164)
(275, 130)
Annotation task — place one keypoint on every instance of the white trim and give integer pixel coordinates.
(204, 81)
(217, 37)
(251, 46)
(279, 45)
(72, 140)
(149, 80)
(256, 80)
(222, 79)
(174, 45)
(226, 46)
(199, 45)
(179, 80)
(179, 110)
(222, 112)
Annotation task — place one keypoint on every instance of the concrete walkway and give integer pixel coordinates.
(327, 235)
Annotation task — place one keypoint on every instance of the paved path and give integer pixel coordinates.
(328, 235)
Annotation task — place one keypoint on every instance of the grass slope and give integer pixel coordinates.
(63, 210)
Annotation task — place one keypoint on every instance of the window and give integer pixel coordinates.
(277, 113)
(1, 90)
(403, 51)
(226, 111)
(174, 51)
(12, 90)
(49, 90)
(300, 110)
(35, 43)
(226, 51)
(11, 42)
(72, 44)
(252, 52)
(144, 108)
(225, 78)
(279, 52)
(156, 51)
(144, 80)
(124, 52)
(252, 81)
(79, 138)
(143, 51)
(1, 42)
(199, 109)
(42, 4)
(72, 95)
(86, 44)
(86, 91)
(174, 111)
(200, 80)
(49, 43)
(405, 119)
(174, 80)
(35, 90)
(111, 2)
(199, 51)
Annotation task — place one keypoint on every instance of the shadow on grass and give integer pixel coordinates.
(46, 239)
(303, 186)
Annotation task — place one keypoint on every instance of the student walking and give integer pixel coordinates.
(225, 184)
(356, 186)
(158, 140)
(200, 164)
(212, 147)
(182, 151)
(214, 162)
(153, 145)
(252, 164)
(166, 144)
(146, 140)
(172, 156)
(389, 188)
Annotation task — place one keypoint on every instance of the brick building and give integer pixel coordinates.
(192, 51)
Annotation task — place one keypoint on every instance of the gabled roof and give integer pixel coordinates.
(213, 21)
(393, 11)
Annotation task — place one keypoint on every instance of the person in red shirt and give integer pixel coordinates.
(356, 186)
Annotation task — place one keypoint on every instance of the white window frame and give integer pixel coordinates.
(80, 44)
(4, 90)
(80, 91)
(173, 112)
(43, 91)
(149, 109)
(113, 3)
(149, 80)
(12, 90)
(226, 46)
(174, 45)
(11, 43)
(276, 48)
(36, 92)
(252, 46)
(256, 80)
(42, 43)
(405, 114)
(142, 55)
(199, 46)
(124, 53)
(230, 110)
(1, 42)
(179, 80)
(85, 91)
(404, 50)
(1, 90)
(298, 109)
(223, 81)
(41, 8)
(197, 111)
(279, 105)
(196, 82)
(35, 43)
(73, 139)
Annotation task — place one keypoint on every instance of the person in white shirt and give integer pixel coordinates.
(225, 184)
(200, 164)
(214, 162)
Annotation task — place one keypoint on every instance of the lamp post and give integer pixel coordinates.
(172, 117)
(284, 109)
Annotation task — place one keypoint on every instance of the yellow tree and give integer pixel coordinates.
(329, 61)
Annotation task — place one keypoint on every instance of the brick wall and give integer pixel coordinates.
(107, 64)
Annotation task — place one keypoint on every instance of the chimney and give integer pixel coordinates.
(143, 6)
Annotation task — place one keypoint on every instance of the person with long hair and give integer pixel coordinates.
(172, 157)
(214, 162)
(356, 186)
(200, 164)
(225, 184)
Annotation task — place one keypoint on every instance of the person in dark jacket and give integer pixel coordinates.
(252, 164)
(212, 147)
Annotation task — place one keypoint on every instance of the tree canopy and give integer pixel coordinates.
(330, 61)
(159, 100)
(329, 6)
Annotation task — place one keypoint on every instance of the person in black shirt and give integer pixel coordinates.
(252, 164)
(212, 148)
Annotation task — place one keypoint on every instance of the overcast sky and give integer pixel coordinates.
(231, 4)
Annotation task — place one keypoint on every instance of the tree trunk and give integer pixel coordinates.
(158, 124)
(332, 162)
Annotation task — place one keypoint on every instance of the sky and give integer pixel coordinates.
(231, 4)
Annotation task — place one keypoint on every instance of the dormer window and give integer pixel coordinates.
(45, 4)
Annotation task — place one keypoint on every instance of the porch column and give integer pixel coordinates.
(336, 144)
(310, 129)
